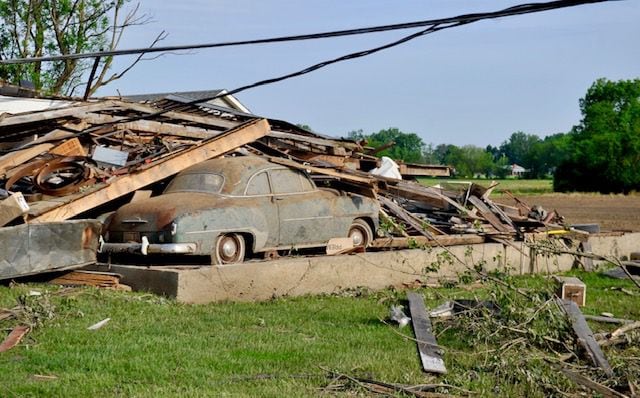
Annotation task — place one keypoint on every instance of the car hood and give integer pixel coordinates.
(157, 213)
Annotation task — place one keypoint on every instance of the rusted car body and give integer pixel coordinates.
(227, 207)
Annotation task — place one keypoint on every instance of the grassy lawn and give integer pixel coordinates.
(515, 186)
(154, 347)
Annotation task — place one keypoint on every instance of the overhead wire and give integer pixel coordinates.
(433, 27)
(516, 10)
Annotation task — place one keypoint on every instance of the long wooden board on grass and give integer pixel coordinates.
(585, 335)
(427, 344)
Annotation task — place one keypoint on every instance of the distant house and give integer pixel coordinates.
(516, 170)
(227, 101)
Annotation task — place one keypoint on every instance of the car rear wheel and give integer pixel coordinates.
(360, 232)
(229, 249)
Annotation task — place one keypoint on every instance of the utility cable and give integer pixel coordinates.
(434, 27)
(465, 18)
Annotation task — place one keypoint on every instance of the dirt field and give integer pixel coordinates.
(612, 212)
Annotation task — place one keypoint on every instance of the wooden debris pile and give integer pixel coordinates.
(83, 159)
(77, 158)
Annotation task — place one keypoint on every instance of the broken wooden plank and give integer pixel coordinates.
(21, 156)
(39, 116)
(587, 262)
(89, 278)
(329, 172)
(12, 207)
(422, 227)
(585, 335)
(211, 120)
(151, 126)
(438, 240)
(427, 344)
(488, 215)
(169, 166)
(71, 147)
(592, 385)
(339, 246)
(13, 339)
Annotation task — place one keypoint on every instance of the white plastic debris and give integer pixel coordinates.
(99, 324)
(397, 314)
(388, 168)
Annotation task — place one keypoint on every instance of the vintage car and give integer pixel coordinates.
(229, 207)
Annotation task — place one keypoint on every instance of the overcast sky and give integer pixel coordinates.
(474, 84)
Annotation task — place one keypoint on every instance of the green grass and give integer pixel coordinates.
(515, 186)
(154, 347)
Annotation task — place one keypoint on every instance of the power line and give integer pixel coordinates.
(465, 18)
(435, 27)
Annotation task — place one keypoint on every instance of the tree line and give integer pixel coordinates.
(600, 154)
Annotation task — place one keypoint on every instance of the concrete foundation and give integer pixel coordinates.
(263, 280)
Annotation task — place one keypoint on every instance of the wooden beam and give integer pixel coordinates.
(305, 138)
(212, 120)
(323, 171)
(151, 126)
(585, 335)
(16, 158)
(439, 240)
(417, 224)
(70, 111)
(169, 166)
(427, 344)
(488, 215)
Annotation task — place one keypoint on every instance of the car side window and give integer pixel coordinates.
(259, 185)
(289, 181)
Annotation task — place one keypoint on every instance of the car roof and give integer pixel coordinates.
(236, 170)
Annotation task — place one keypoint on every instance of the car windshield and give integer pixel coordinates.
(211, 183)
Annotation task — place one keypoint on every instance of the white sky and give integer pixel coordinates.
(475, 84)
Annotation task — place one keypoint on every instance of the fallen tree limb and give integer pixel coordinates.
(592, 385)
(613, 260)
(626, 328)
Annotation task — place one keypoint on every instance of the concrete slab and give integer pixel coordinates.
(263, 280)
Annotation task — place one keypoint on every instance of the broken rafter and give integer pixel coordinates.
(154, 172)
(151, 126)
(420, 226)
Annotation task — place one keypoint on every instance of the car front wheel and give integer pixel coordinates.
(360, 232)
(229, 249)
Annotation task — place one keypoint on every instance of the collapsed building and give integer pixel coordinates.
(76, 160)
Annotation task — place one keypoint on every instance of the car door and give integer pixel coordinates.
(259, 191)
(305, 213)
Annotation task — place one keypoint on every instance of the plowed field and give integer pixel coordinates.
(612, 212)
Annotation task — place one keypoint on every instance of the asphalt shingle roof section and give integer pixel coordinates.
(190, 95)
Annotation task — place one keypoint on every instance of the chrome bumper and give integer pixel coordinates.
(146, 248)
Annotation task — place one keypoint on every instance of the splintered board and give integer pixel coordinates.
(427, 344)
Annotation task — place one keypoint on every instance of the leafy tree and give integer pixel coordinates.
(470, 160)
(36, 28)
(518, 148)
(408, 147)
(605, 146)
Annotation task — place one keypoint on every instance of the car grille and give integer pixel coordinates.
(131, 236)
